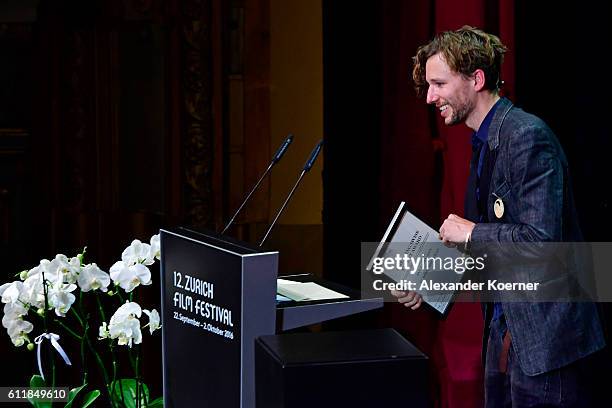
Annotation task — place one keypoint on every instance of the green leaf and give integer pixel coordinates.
(37, 382)
(90, 397)
(156, 403)
(72, 394)
(128, 386)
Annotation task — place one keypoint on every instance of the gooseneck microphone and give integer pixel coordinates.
(277, 156)
(307, 166)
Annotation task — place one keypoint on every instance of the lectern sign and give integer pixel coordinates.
(195, 299)
(217, 296)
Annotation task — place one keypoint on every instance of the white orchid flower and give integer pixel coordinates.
(92, 278)
(18, 330)
(153, 320)
(14, 310)
(155, 248)
(69, 268)
(7, 320)
(16, 327)
(130, 276)
(103, 332)
(136, 253)
(125, 326)
(46, 267)
(54, 269)
(60, 297)
(10, 292)
(33, 291)
(36, 271)
(12, 313)
(74, 270)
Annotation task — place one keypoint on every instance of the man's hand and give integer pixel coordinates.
(409, 299)
(455, 230)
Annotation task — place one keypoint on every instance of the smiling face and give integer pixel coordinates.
(451, 92)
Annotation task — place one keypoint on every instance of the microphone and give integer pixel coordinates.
(277, 156)
(307, 166)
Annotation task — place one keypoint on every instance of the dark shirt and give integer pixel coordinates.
(479, 142)
(480, 137)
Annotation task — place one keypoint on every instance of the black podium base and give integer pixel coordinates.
(368, 368)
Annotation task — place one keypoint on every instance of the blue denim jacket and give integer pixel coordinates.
(531, 178)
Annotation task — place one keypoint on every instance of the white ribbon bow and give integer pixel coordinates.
(53, 338)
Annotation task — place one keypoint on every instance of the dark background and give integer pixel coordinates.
(114, 118)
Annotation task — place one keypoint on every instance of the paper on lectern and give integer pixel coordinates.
(305, 291)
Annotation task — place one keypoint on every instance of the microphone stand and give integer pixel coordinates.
(277, 156)
(307, 167)
(247, 197)
(283, 207)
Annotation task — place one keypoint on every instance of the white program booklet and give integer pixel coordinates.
(411, 236)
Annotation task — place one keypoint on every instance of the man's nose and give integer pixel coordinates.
(431, 95)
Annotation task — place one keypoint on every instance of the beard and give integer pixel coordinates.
(461, 109)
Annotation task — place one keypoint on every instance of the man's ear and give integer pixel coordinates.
(479, 79)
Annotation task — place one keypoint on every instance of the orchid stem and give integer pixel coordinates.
(137, 378)
(100, 308)
(119, 294)
(46, 325)
(146, 398)
(83, 361)
(74, 312)
(69, 330)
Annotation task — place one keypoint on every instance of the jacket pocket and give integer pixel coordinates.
(502, 190)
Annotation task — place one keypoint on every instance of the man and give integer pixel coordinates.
(518, 192)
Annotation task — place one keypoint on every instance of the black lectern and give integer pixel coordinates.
(218, 296)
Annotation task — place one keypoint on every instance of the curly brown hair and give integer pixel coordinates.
(465, 50)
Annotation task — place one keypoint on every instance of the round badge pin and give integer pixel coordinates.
(498, 208)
